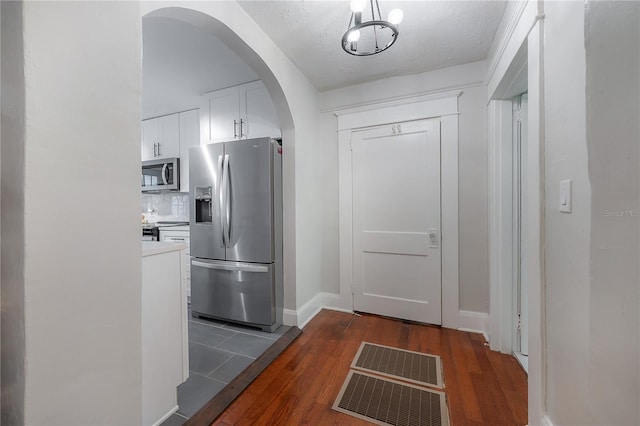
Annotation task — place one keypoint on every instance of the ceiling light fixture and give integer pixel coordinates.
(365, 38)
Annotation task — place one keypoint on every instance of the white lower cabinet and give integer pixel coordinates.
(164, 330)
(180, 234)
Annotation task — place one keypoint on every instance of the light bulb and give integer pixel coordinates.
(358, 5)
(395, 16)
(353, 36)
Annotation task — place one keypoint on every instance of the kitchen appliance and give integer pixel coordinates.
(235, 189)
(151, 231)
(161, 175)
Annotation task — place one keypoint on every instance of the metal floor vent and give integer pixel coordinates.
(414, 367)
(389, 402)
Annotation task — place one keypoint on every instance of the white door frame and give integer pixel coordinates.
(523, 46)
(443, 106)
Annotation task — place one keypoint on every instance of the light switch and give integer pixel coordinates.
(565, 196)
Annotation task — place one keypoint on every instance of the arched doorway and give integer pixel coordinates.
(212, 17)
(213, 24)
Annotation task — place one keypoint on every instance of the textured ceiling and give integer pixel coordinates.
(433, 35)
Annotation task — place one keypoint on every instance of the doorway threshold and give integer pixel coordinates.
(523, 360)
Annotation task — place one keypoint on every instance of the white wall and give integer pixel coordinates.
(81, 282)
(12, 203)
(296, 102)
(566, 235)
(591, 110)
(612, 40)
(474, 287)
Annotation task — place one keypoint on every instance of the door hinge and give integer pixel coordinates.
(519, 323)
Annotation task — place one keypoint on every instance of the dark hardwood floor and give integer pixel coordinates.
(299, 387)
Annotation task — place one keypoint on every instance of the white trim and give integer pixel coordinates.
(413, 109)
(527, 15)
(335, 303)
(449, 220)
(401, 110)
(166, 416)
(306, 312)
(529, 28)
(396, 101)
(429, 94)
(545, 421)
(523, 360)
(506, 37)
(474, 322)
(535, 232)
(289, 317)
(499, 157)
(469, 321)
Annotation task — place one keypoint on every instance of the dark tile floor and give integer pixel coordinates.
(218, 353)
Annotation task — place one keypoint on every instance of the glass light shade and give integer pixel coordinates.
(353, 36)
(395, 16)
(358, 5)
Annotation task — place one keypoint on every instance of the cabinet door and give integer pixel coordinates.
(150, 138)
(205, 120)
(189, 137)
(258, 114)
(224, 117)
(169, 136)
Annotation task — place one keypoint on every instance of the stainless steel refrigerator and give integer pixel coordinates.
(235, 189)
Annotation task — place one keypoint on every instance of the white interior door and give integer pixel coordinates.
(396, 221)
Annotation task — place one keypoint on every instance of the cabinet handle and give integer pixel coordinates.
(241, 133)
(235, 132)
(154, 150)
(158, 149)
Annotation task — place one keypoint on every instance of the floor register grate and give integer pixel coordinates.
(414, 367)
(384, 401)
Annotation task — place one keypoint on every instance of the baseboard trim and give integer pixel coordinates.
(545, 421)
(306, 312)
(166, 416)
(474, 322)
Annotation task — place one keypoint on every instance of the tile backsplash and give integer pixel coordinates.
(166, 206)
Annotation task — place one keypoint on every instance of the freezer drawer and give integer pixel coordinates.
(233, 291)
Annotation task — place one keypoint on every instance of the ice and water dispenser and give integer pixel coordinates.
(204, 204)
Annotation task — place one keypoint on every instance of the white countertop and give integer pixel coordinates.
(150, 248)
(174, 228)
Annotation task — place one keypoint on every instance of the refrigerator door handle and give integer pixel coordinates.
(221, 199)
(227, 200)
(233, 266)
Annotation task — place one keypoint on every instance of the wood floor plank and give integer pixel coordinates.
(456, 341)
(300, 386)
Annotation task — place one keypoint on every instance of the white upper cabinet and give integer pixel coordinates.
(171, 136)
(239, 112)
(220, 117)
(258, 112)
(161, 137)
(189, 137)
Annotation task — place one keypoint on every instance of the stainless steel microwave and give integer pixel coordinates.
(161, 175)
